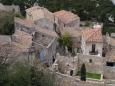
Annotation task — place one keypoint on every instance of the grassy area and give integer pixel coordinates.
(91, 75)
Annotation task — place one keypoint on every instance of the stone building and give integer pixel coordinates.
(9, 8)
(25, 25)
(45, 44)
(44, 41)
(92, 42)
(67, 19)
(109, 66)
(5, 46)
(22, 45)
(5, 40)
(41, 17)
(15, 47)
(65, 65)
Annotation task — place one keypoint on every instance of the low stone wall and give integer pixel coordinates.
(65, 80)
(109, 72)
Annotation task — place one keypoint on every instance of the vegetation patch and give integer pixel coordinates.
(108, 29)
(91, 75)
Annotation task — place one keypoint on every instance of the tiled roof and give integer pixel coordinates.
(5, 50)
(25, 22)
(5, 39)
(66, 16)
(92, 35)
(21, 41)
(40, 12)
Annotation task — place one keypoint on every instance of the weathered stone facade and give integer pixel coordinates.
(98, 47)
(94, 64)
(46, 47)
(40, 27)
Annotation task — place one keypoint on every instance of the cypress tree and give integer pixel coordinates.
(83, 72)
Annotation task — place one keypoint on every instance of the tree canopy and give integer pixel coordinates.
(87, 9)
(93, 10)
(65, 40)
(24, 74)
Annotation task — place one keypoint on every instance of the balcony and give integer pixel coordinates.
(93, 53)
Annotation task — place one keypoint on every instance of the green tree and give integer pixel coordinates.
(65, 40)
(20, 74)
(3, 75)
(25, 74)
(6, 23)
(83, 72)
(105, 10)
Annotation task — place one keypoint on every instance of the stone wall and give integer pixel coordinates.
(24, 28)
(52, 50)
(93, 64)
(45, 24)
(75, 24)
(109, 72)
(65, 80)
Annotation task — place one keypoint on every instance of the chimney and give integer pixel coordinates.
(97, 25)
(107, 38)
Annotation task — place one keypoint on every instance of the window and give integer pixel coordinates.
(53, 59)
(71, 72)
(111, 64)
(90, 60)
(93, 47)
(43, 35)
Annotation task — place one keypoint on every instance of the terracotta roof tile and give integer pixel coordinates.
(66, 16)
(92, 35)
